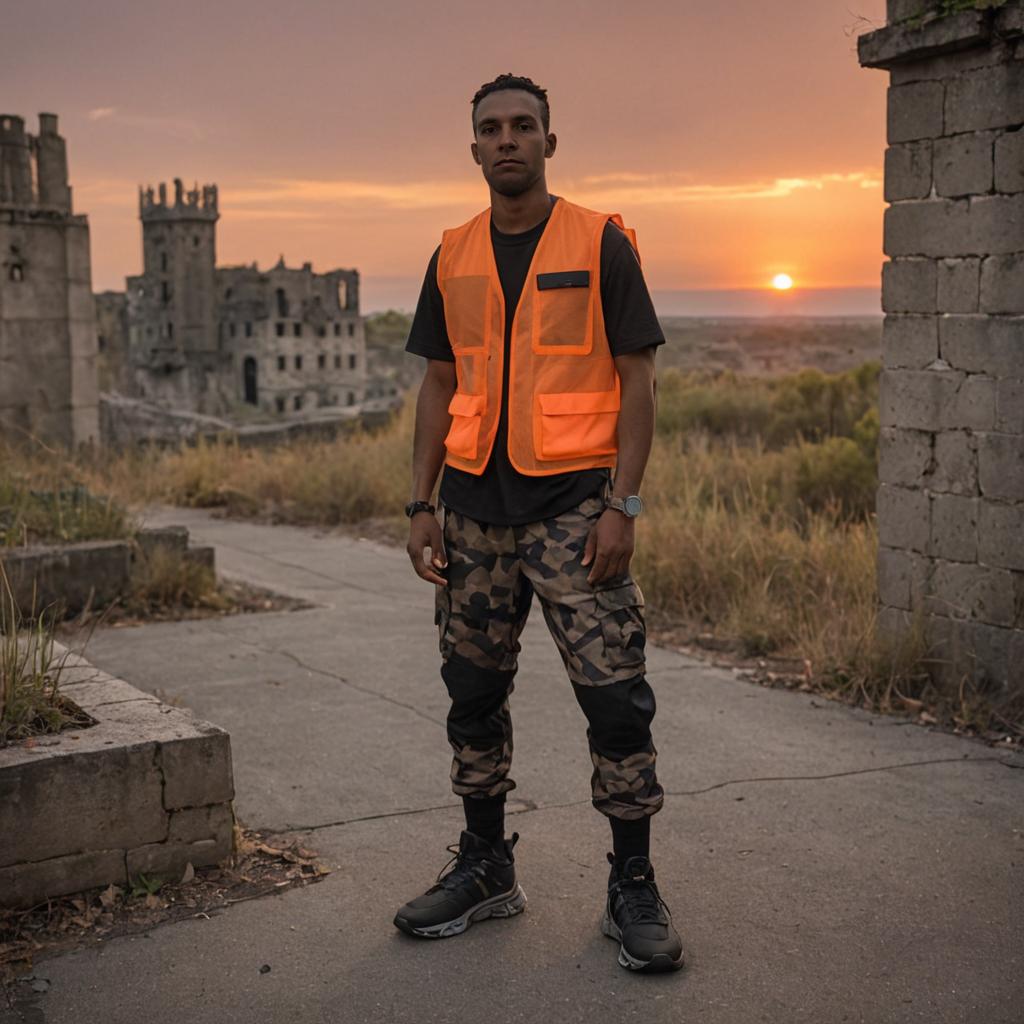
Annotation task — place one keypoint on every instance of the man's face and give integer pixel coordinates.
(510, 145)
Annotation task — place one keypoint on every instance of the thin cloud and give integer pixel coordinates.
(174, 127)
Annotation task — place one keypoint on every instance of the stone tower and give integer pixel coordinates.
(172, 305)
(47, 331)
(951, 497)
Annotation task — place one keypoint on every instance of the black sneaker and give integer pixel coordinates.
(481, 884)
(636, 916)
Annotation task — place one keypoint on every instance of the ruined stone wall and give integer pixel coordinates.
(951, 494)
(294, 339)
(47, 328)
(113, 366)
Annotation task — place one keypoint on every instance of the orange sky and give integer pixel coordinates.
(739, 142)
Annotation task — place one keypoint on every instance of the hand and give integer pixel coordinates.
(609, 546)
(425, 532)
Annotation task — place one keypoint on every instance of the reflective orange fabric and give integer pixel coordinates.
(563, 405)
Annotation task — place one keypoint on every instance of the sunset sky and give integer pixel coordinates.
(741, 141)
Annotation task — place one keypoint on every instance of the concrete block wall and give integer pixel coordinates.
(147, 789)
(951, 491)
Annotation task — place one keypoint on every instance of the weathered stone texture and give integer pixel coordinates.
(33, 882)
(954, 528)
(908, 171)
(954, 466)
(951, 448)
(983, 344)
(963, 164)
(910, 341)
(909, 286)
(1009, 162)
(958, 285)
(1010, 406)
(197, 771)
(1001, 534)
(915, 111)
(904, 456)
(1001, 466)
(968, 591)
(1002, 283)
(903, 518)
(991, 97)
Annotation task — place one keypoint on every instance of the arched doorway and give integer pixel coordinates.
(249, 376)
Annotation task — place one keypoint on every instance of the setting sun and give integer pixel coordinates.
(782, 282)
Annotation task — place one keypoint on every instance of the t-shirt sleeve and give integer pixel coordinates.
(629, 318)
(428, 336)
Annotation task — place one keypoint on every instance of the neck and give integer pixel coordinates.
(514, 214)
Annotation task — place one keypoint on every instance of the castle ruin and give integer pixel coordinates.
(47, 327)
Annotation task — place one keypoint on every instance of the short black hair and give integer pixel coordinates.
(511, 81)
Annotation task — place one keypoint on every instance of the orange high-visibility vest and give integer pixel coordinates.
(563, 402)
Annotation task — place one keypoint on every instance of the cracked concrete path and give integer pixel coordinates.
(822, 864)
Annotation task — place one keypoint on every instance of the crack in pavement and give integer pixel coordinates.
(675, 792)
(329, 675)
(322, 575)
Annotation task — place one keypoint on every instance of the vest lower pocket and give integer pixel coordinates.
(464, 433)
(578, 423)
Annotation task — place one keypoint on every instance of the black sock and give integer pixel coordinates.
(485, 817)
(631, 838)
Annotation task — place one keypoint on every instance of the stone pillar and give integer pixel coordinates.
(951, 461)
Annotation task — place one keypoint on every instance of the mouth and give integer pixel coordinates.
(508, 163)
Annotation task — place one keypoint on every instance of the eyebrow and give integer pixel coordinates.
(514, 117)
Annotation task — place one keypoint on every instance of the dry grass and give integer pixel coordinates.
(760, 523)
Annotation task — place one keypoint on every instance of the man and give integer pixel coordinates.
(540, 336)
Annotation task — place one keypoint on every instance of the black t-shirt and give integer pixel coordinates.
(501, 495)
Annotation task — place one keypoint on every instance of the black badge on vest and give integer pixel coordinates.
(564, 279)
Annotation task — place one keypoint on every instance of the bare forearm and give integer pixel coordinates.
(432, 423)
(636, 420)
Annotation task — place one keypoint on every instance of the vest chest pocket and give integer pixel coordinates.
(578, 423)
(562, 315)
(466, 412)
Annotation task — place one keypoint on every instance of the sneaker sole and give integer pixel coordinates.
(658, 963)
(506, 904)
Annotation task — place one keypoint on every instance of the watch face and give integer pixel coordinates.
(633, 505)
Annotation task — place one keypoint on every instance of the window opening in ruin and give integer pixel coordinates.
(342, 294)
(351, 398)
(195, 241)
(163, 261)
(248, 328)
(165, 291)
(279, 404)
(227, 294)
(17, 273)
(352, 360)
(170, 329)
(337, 330)
(297, 402)
(337, 361)
(351, 330)
(282, 302)
(249, 378)
(231, 329)
(321, 332)
(297, 330)
(280, 362)
(101, 343)
(280, 329)
(298, 362)
(321, 361)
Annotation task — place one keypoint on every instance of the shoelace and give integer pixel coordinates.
(641, 899)
(465, 869)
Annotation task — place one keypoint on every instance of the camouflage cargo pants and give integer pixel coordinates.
(493, 573)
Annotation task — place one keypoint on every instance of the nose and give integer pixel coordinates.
(508, 139)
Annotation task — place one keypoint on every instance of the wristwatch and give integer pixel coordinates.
(630, 506)
(418, 506)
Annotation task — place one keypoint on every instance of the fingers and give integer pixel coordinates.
(600, 570)
(590, 547)
(424, 534)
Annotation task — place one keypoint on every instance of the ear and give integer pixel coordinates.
(475, 152)
(549, 145)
